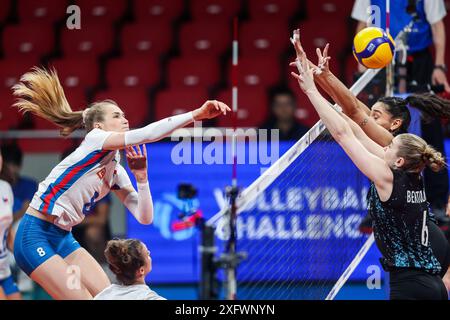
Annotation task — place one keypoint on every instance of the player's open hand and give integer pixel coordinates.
(323, 59)
(305, 76)
(301, 55)
(137, 161)
(211, 109)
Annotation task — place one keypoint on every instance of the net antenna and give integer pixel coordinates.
(390, 66)
(230, 260)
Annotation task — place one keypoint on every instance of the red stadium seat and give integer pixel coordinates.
(41, 11)
(257, 71)
(252, 108)
(141, 73)
(144, 39)
(193, 72)
(329, 9)
(11, 70)
(42, 124)
(157, 10)
(106, 11)
(30, 41)
(335, 34)
(272, 9)
(204, 38)
(76, 98)
(9, 116)
(305, 113)
(6, 10)
(214, 9)
(260, 37)
(91, 40)
(334, 63)
(178, 100)
(77, 73)
(351, 67)
(132, 101)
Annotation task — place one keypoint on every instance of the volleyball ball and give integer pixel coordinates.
(373, 48)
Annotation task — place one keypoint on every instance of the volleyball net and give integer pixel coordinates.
(298, 222)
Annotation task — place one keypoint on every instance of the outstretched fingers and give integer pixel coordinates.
(224, 108)
(296, 76)
(325, 51)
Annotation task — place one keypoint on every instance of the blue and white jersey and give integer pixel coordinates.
(87, 175)
(6, 219)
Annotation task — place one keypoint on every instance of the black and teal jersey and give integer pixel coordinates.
(401, 225)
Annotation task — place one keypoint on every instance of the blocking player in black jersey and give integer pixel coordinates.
(401, 227)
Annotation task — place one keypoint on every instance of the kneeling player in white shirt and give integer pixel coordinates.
(8, 288)
(130, 261)
(44, 247)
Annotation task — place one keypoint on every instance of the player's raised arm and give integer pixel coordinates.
(41, 93)
(371, 165)
(139, 203)
(161, 129)
(351, 105)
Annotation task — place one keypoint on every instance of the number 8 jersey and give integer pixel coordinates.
(80, 180)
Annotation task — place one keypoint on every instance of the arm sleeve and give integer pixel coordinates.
(359, 11)
(157, 130)
(434, 10)
(140, 203)
(121, 178)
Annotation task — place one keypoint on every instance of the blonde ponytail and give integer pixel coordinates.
(40, 92)
(418, 154)
(433, 159)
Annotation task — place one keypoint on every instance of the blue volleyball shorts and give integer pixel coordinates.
(38, 240)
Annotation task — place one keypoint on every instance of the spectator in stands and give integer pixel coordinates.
(23, 187)
(94, 231)
(130, 261)
(422, 70)
(282, 115)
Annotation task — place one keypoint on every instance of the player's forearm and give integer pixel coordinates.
(140, 203)
(341, 94)
(158, 130)
(438, 32)
(337, 126)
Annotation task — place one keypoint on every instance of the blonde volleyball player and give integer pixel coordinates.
(400, 229)
(8, 288)
(44, 246)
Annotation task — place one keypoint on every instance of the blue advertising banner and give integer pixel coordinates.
(309, 210)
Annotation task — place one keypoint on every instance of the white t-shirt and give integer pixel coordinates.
(6, 219)
(80, 180)
(434, 10)
(133, 292)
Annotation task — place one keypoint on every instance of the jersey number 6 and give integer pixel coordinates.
(424, 230)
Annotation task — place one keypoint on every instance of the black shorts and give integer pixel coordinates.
(409, 284)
